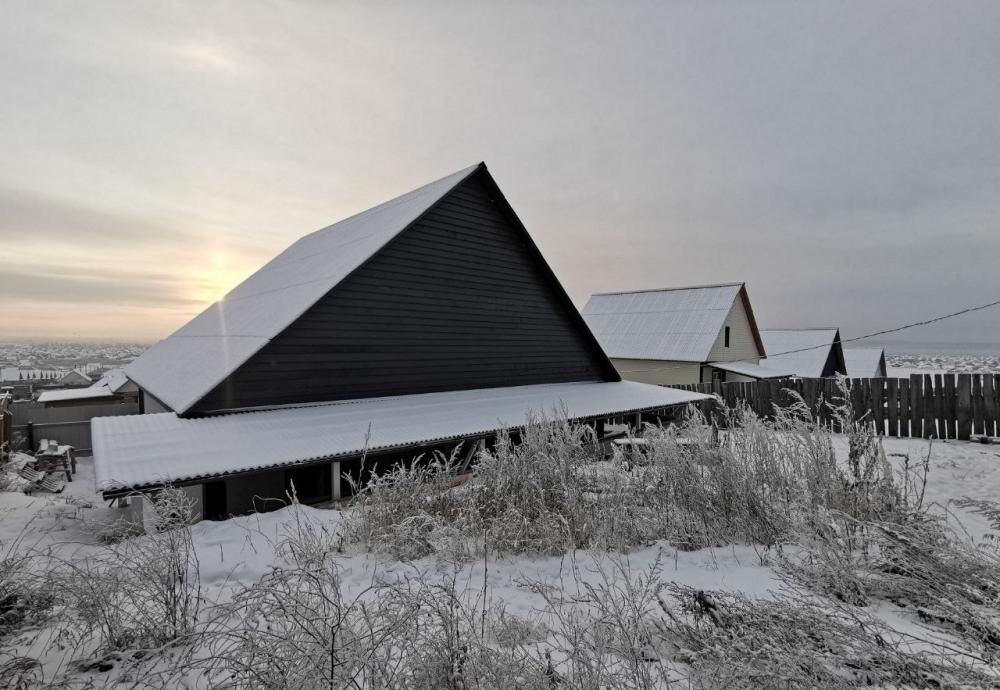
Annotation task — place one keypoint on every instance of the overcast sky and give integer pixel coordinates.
(843, 158)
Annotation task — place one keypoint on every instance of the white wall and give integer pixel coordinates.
(150, 405)
(658, 371)
(741, 342)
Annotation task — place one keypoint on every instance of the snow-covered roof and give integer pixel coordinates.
(751, 369)
(864, 361)
(807, 349)
(671, 324)
(89, 393)
(113, 379)
(73, 376)
(140, 450)
(188, 364)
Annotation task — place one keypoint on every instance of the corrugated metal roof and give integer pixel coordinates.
(184, 367)
(137, 450)
(751, 369)
(678, 324)
(807, 348)
(89, 393)
(864, 361)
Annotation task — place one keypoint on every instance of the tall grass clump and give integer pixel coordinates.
(142, 592)
(553, 488)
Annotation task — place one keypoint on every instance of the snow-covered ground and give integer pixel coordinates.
(239, 551)
(902, 365)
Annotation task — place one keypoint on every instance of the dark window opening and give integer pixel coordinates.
(312, 483)
(727, 336)
(215, 501)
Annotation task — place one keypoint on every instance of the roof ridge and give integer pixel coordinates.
(671, 289)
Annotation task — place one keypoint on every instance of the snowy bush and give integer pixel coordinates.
(141, 592)
(762, 482)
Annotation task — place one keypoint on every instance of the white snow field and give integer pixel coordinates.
(234, 554)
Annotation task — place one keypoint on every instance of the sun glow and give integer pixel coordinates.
(212, 281)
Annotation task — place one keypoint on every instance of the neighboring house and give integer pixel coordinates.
(678, 335)
(74, 379)
(427, 322)
(804, 352)
(114, 386)
(865, 362)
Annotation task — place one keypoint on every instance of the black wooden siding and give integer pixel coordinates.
(460, 300)
(835, 363)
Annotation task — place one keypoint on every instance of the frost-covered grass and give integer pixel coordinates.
(772, 554)
(553, 491)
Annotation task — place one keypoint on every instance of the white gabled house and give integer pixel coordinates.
(865, 362)
(804, 352)
(680, 335)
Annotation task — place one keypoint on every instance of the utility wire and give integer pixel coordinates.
(856, 338)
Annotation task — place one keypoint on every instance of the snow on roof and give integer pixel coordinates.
(751, 369)
(187, 365)
(113, 379)
(140, 450)
(74, 376)
(89, 393)
(864, 361)
(671, 324)
(807, 348)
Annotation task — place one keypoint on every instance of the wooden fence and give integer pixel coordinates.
(32, 421)
(955, 406)
(6, 425)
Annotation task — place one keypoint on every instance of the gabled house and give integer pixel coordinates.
(113, 386)
(73, 379)
(425, 322)
(865, 362)
(804, 352)
(678, 335)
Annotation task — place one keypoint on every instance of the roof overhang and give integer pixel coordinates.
(751, 370)
(137, 452)
(70, 395)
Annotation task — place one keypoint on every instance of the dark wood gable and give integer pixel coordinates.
(835, 362)
(459, 300)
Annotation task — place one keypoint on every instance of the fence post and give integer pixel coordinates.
(29, 432)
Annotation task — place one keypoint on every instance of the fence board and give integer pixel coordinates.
(916, 405)
(939, 406)
(963, 407)
(990, 407)
(930, 408)
(903, 407)
(950, 406)
(878, 406)
(978, 418)
(891, 393)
